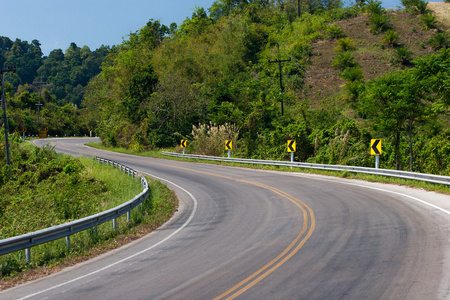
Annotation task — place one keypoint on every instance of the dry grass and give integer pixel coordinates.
(322, 80)
(442, 11)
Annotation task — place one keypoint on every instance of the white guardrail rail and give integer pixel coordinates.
(381, 172)
(26, 241)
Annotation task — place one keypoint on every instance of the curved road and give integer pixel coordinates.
(249, 234)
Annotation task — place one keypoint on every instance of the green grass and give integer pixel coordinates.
(64, 189)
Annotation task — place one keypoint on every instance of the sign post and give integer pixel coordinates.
(90, 131)
(291, 148)
(183, 145)
(229, 146)
(375, 149)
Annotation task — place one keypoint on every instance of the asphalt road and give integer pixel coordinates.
(249, 234)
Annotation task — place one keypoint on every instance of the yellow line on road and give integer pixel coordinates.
(309, 224)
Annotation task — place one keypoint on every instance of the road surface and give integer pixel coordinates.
(253, 234)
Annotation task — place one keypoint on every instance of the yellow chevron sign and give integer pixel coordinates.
(291, 146)
(183, 144)
(228, 144)
(375, 147)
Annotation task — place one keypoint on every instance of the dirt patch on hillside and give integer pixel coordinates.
(373, 55)
(442, 11)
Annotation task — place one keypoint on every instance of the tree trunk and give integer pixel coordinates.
(409, 132)
(397, 150)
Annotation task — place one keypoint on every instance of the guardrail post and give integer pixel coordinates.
(68, 242)
(128, 216)
(114, 224)
(28, 254)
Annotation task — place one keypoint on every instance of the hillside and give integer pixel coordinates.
(374, 57)
(214, 78)
(442, 11)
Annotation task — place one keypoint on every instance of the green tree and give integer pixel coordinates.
(397, 104)
(433, 72)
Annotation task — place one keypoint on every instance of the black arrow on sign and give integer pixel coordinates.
(183, 143)
(291, 146)
(228, 145)
(374, 147)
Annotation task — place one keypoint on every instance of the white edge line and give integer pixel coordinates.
(134, 255)
(380, 189)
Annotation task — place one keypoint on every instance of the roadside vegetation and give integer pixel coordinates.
(47, 189)
(349, 74)
(439, 188)
(167, 83)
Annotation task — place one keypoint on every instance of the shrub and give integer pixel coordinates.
(429, 21)
(300, 50)
(335, 31)
(344, 60)
(409, 3)
(421, 7)
(345, 45)
(391, 37)
(352, 74)
(439, 40)
(379, 23)
(403, 55)
(375, 8)
(209, 139)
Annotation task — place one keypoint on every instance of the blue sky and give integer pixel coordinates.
(57, 23)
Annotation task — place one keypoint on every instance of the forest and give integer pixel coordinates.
(57, 82)
(259, 72)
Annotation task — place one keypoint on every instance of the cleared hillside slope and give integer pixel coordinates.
(373, 55)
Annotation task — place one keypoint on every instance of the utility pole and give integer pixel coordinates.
(39, 104)
(5, 117)
(279, 61)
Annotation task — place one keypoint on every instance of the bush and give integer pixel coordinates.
(379, 23)
(421, 7)
(409, 3)
(439, 40)
(436, 154)
(344, 60)
(429, 21)
(352, 74)
(345, 45)
(209, 139)
(391, 37)
(403, 55)
(375, 8)
(335, 31)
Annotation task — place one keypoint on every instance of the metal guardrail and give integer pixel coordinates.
(373, 171)
(26, 241)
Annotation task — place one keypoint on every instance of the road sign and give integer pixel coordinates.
(46, 129)
(24, 129)
(375, 147)
(291, 146)
(42, 134)
(183, 144)
(228, 145)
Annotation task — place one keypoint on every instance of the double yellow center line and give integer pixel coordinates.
(309, 223)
